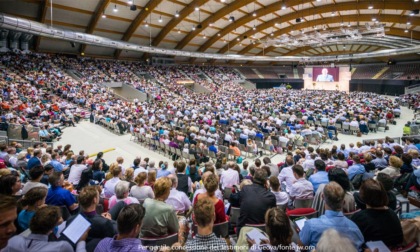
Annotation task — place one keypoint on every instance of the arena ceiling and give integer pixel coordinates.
(245, 27)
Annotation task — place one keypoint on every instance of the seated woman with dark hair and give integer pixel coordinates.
(377, 222)
(388, 185)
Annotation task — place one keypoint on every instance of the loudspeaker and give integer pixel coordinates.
(72, 44)
(298, 20)
(133, 7)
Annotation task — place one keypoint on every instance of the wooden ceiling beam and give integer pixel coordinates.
(100, 9)
(42, 15)
(143, 14)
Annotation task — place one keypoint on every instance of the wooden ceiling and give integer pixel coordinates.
(204, 25)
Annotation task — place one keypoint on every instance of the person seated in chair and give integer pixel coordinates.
(205, 239)
(129, 224)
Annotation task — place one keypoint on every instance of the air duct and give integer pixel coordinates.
(24, 42)
(14, 40)
(3, 40)
(35, 28)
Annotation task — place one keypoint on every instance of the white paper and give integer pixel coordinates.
(76, 228)
(300, 223)
(256, 235)
(380, 245)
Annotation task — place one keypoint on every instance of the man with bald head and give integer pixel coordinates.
(311, 232)
(177, 199)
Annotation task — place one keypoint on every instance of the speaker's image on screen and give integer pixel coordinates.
(325, 74)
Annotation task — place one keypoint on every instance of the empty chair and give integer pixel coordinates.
(221, 229)
(234, 215)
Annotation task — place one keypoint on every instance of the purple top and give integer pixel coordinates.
(124, 245)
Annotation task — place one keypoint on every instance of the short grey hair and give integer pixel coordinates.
(121, 188)
(341, 243)
(151, 164)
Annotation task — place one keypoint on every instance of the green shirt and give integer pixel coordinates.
(160, 219)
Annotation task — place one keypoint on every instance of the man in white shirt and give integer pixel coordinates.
(109, 188)
(309, 162)
(286, 174)
(302, 188)
(76, 170)
(177, 199)
(230, 177)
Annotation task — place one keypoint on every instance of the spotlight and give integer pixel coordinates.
(231, 18)
(133, 7)
(130, 2)
(333, 13)
(414, 12)
(222, 1)
(298, 20)
(160, 19)
(115, 8)
(283, 7)
(146, 24)
(193, 28)
(197, 9)
(103, 15)
(254, 28)
(406, 31)
(408, 23)
(370, 7)
(254, 14)
(177, 14)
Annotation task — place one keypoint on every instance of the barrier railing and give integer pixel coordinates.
(28, 143)
(396, 140)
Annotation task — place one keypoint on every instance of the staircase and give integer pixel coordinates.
(248, 85)
(258, 73)
(383, 70)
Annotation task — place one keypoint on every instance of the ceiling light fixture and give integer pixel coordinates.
(222, 1)
(373, 19)
(160, 19)
(193, 28)
(177, 13)
(406, 30)
(130, 2)
(408, 23)
(103, 15)
(211, 24)
(179, 31)
(218, 34)
(146, 24)
(333, 13)
(231, 18)
(254, 28)
(115, 8)
(237, 39)
(254, 14)
(133, 7)
(197, 9)
(283, 7)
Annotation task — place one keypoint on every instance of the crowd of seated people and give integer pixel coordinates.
(78, 185)
(126, 202)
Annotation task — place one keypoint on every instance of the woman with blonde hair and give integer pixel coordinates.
(393, 169)
(151, 178)
(160, 218)
(141, 191)
(129, 176)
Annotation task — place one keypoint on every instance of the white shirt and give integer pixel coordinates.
(75, 173)
(109, 188)
(286, 175)
(138, 170)
(302, 188)
(178, 200)
(229, 178)
(308, 164)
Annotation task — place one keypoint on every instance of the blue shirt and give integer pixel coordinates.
(313, 228)
(354, 170)
(162, 173)
(58, 196)
(25, 218)
(123, 245)
(213, 149)
(321, 177)
(58, 167)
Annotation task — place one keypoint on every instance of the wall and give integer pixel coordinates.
(388, 87)
(271, 83)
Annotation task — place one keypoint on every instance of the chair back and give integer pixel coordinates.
(303, 203)
(282, 206)
(160, 241)
(350, 214)
(227, 192)
(310, 215)
(221, 229)
(234, 215)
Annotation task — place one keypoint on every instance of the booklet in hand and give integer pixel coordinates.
(76, 229)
